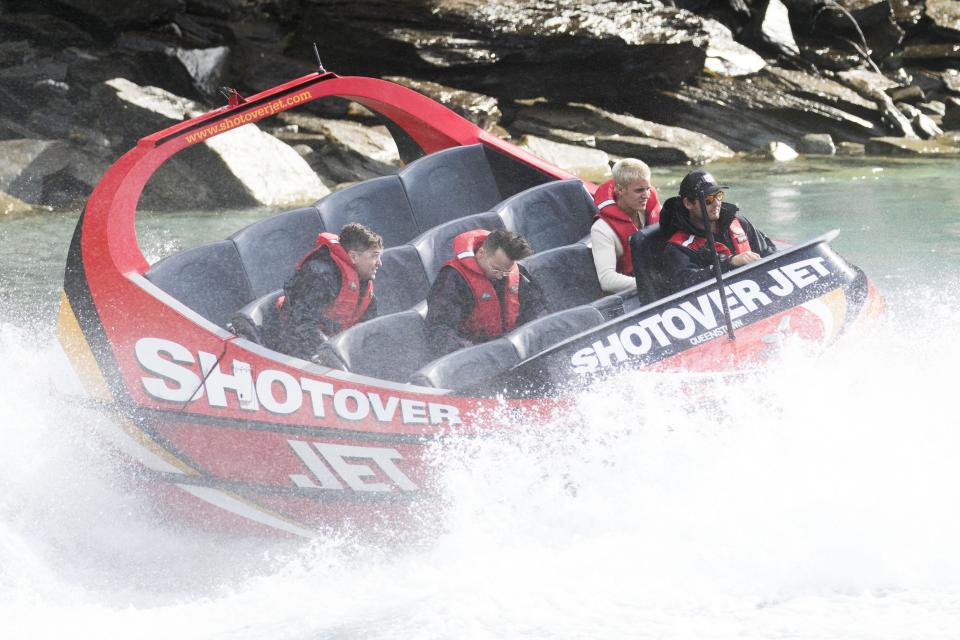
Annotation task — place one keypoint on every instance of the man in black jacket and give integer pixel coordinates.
(687, 257)
(482, 293)
(331, 290)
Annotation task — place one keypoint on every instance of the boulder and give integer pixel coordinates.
(817, 144)
(846, 148)
(343, 151)
(951, 113)
(61, 176)
(479, 109)
(241, 167)
(583, 162)
(16, 155)
(781, 107)
(619, 134)
(945, 15)
(924, 125)
(11, 207)
(937, 53)
(951, 80)
(890, 146)
(727, 57)
(780, 152)
(875, 85)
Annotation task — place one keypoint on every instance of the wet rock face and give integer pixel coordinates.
(678, 81)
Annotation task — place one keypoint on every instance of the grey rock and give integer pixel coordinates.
(933, 108)
(619, 134)
(937, 52)
(925, 126)
(817, 144)
(583, 162)
(60, 176)
(16, 156)
(480, 109)
(945, 15)
(951, 80)
(951, 113)
(891, 146)
(846, 148)
(242, 167)
(780, 152)
(911, 94)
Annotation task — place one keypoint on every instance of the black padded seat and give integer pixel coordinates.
(567, 276)
(436, 245)
(468, 367)
(550, 215)
(390, 347)
(271, 248)
(450, 184)
(646, 246)
(259, 320)
(535, 336)
(380, 204)
(209, 279)
(401, 281)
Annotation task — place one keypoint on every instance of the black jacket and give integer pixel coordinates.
(311, 288)
(450, 301)
(686, 267)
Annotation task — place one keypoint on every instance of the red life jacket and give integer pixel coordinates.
(348, 307)
(738, 236)
(621, 222)
(491, 317)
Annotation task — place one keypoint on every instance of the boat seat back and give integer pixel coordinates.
(379, 204)
(537, 335)
(647, 246)
(567, 276)
(259, 320)
(390, 347)
(435, 246)
(401, 281)
(550, 215)
(468, 367)
(209, 279)
(449, 184)
(270, 249)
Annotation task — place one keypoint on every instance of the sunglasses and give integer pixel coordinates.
(718, 196)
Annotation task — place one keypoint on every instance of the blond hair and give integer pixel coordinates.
(628, 170)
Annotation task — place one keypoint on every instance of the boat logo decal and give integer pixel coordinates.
(370, 469)
(698, 320)
(179, 376)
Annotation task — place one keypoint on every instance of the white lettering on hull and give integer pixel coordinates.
(696, 321)
(233, 385)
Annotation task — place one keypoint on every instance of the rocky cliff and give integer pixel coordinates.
(580, 82)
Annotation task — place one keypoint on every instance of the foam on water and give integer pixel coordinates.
(815, 499)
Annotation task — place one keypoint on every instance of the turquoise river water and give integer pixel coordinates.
(815, 501)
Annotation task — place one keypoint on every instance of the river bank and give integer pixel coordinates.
(579, 83)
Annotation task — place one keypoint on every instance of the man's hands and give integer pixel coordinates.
(744, 258)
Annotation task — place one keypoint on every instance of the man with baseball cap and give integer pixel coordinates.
(687, 256)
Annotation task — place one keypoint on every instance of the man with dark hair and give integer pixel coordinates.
(687, 256)
(482, 293)
(331, 289)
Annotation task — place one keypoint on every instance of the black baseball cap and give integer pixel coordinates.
(696, 181)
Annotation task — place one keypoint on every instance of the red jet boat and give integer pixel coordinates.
(233, 434)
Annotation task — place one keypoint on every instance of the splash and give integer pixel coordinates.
(813, 499)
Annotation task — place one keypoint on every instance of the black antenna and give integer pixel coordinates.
(316, 54)
(717, 272)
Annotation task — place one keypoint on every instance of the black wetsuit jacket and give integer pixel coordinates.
(686, 267)
(450, 301)
(308, 292)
